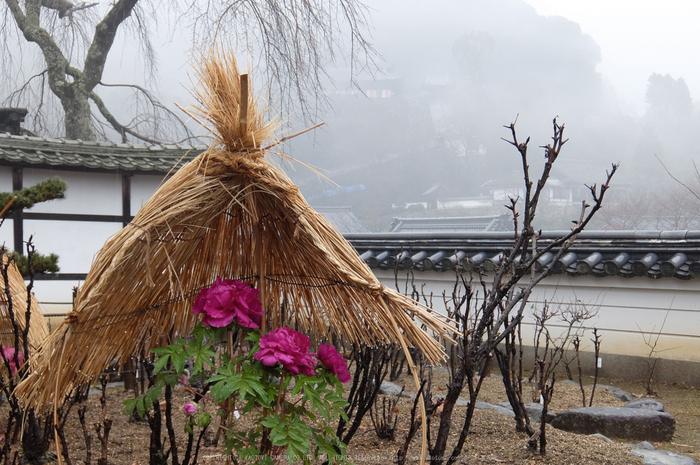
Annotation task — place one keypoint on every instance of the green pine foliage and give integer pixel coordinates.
(54, 188)
(42, 264)
(50, 189)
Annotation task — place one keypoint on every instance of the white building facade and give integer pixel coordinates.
(107, 184)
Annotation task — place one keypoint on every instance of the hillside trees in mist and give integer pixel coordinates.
(668, 99)
(71, 42)
(466, 68)
(386, 144)
(545, 66)
(670, 123)
(665, 206)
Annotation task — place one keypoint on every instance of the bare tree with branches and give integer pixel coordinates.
(489, 313)
(292, 41)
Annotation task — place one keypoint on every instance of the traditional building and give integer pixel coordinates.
(107, 184)
(643, 286)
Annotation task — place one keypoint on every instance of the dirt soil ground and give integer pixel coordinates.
(492, 437)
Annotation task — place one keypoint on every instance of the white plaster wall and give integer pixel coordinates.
(55, 297)
(76, 243)
(629, 310)
(6, 236)
(87, 193)
(142, 188)
(5, 179)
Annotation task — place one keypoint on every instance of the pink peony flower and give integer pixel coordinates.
(334, 362)
(287, 347)
(227, 300)
(190, 408)
(8, 353)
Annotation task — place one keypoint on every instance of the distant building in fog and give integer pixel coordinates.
(452, 224)
(559, 189)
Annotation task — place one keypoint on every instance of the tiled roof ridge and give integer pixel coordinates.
(81, 143)
(93, 155)
(654, 254)
(445, 218)
(545, 235)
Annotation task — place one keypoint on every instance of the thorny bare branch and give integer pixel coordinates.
(509, 273)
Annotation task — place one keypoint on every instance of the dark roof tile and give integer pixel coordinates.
(652, 254)
(91, 155)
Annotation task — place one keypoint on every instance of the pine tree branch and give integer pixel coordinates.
(50, 189)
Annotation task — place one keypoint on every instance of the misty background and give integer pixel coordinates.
(421, 137)
(455, 73)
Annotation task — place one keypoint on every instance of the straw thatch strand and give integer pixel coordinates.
(38, 327)
(230, 213)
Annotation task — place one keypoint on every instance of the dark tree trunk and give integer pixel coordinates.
(453, 390)
(33, 450)
(156, 454)
(513, 392)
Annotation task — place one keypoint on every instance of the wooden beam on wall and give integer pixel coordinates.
(18, 215)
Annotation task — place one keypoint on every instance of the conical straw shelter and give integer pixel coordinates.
(38, 328)
(230, 213)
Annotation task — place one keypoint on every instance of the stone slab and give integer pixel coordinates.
(618, 422)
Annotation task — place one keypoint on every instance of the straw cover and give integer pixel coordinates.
(38, 328)
(230, 213)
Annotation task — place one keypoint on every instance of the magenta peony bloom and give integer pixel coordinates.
(8, 353)
(190, 408)
(287, 347)
(334, 362)
(227, 300)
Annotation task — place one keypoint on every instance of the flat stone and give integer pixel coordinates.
(601, 437)
(617, 392)
(662, 457)
(534, 411)
(646, 404)
(497, 408)
(479, 404)
(618, 422)
(644, 445)
(569, 381)
(390, 389)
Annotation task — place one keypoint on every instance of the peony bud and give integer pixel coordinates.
(190, 408)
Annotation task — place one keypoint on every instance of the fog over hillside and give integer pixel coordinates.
(420, 134)
(454, 73)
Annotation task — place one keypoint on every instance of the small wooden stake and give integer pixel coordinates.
(243, 107)
(59, 454)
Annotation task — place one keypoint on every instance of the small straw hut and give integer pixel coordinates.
(230, 213)
(38, 327)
